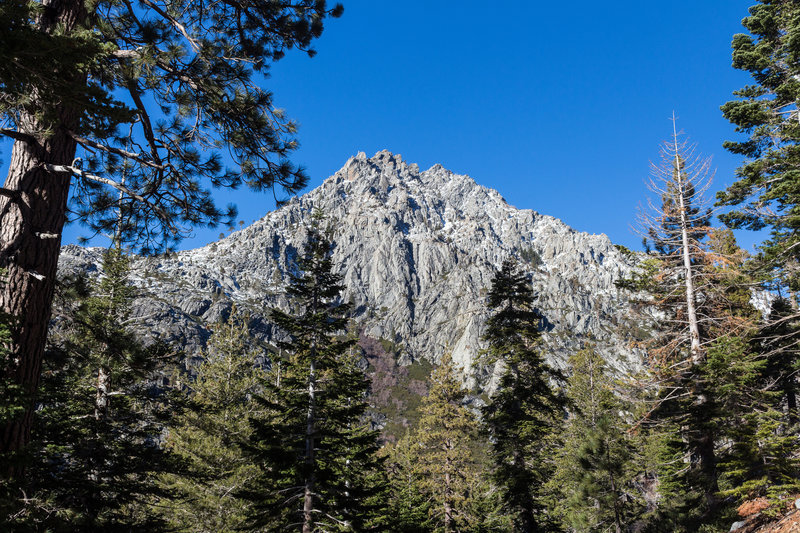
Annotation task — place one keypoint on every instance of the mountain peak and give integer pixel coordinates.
(417, 252)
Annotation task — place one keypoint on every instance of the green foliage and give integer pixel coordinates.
(768, 183)
(95, 450)
(437, 469)
(52, 66)
(12, 405)
(530, 256)
(761, 460)
(624, 250)
(207, 436)
(410, 507)
(401, 400)
(595, 470)
(152, 94)
(525, 413)
(318, 457)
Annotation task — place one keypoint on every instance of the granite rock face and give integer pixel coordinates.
(417, 251)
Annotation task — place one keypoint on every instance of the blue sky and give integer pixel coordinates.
(559, 106)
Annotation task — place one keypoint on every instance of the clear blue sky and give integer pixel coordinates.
(560, 106)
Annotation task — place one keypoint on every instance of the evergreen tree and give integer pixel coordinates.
(437, 468)
(677, 306)
(318, 457)
(777, 344)
(594, 471)
(12, 403)
(753, 364)
(208, 433)
(765, 197)
(525, 413)
(445, 430)
(114, 103)
(95, 451)
(733, 422)
(409, 506)
(674, 230)
(767, 187)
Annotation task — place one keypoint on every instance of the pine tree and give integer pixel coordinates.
(12, 404)
(594, 472)
(318, 457)
(676, 301)
(133, 104)
(765, 197)
(767, 187)
(208, 434)
(674, 230)
(525, 412)
(409, 506)
(95, 448)
(732, 418)
(437, 468)
(445, 429)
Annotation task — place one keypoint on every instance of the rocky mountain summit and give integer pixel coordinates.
(417, 251)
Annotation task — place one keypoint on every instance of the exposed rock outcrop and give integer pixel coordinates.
(417, 251)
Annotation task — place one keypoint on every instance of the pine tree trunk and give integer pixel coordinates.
(691, 297)
(448, 493)
(101, 398)
(308, 493)
(32, 214)
(527, 522)
(791, 400)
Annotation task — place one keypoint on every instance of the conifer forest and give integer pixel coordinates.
(396, 351)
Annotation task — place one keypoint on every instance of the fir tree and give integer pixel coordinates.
(208, 433)
(99, 420)
(445, 429)
(409, 506)
(318, 457)
(525, 412)
(594, 472)
(437, 468)
(675, 284)
(722, 406)
(765, 197)
(767, 187)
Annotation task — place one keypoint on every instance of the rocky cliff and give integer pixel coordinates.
(417, 251)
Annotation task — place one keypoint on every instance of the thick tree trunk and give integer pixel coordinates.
(32, 214)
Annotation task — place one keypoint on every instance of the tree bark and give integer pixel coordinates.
(448, 491)
(311, 422)
(691, 297)
(32, 216)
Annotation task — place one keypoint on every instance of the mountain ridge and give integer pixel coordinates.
(417, 251)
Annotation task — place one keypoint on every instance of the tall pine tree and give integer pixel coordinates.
(318, 457)
(526, 412)
(594, 471)
(766, 192)
(208, 433)
(437, 468)
(129, 105)
(100, 418)
(674, 282)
